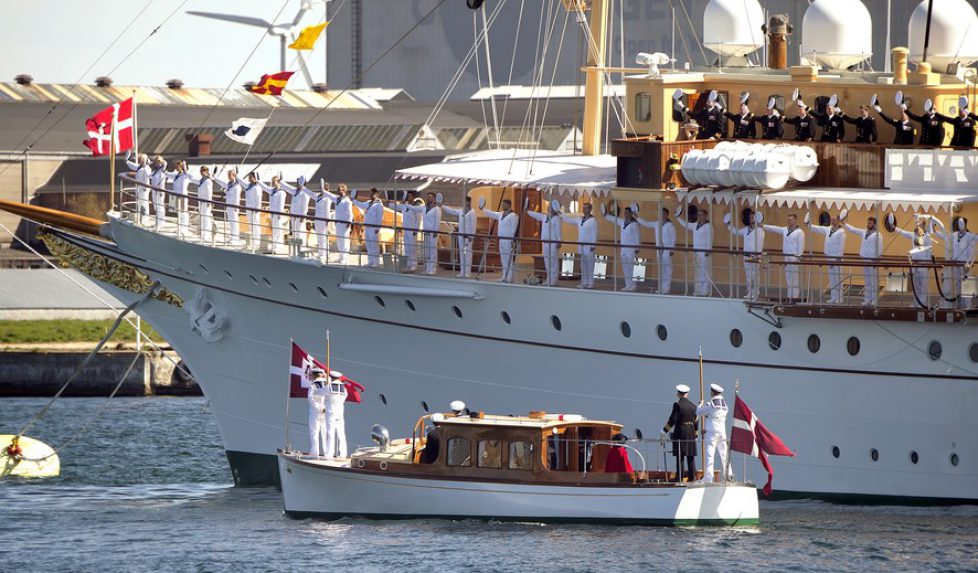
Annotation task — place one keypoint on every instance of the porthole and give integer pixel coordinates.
(814, 343)
(505, 316)
(424, 406)
(203, 268)
(253, 278)
(662, 332)
(294, 288)
(555, 322)
(267, 282)
(409, 304)
(874, 455)
(824, 219)
(736, 338)
(835, 452)
(973, 352)
(914, 458)
(322, 292)
(380, 301)
(626, 329)
(774, 340)
(638, 433)
(457, 311)
(852, 345)
(383, 399)
(954, 460)
(228, 274)
(934, 350)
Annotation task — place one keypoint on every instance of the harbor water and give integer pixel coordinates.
(146, 487)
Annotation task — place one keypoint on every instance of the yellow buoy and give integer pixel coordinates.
(27, 457)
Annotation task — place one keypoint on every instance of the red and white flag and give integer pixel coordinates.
(300, 379)
(750, 436)
(102, 135)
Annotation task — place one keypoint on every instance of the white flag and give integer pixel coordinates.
(246, 129)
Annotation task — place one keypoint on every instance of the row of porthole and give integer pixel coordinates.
(874, 455)
(256, 282)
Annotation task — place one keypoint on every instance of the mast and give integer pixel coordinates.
(594, 82)
(930, 10)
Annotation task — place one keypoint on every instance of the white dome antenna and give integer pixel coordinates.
(653, 61)
(953, 34)
(733, 28)
(836, 34)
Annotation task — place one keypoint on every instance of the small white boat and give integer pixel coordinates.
(547, 468)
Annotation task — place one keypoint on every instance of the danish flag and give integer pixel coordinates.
(750, 436)
(300, 379)
(112, 125)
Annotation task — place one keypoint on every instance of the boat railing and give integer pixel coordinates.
(728, 275)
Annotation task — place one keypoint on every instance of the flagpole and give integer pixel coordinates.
(327, 352)
(288, 397)
(112, 144)
(135, 126)
(726, 470)
(702, 419)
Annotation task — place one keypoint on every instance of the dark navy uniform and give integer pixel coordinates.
(683, 424)
(743, 125)
(964, 129)
(904, 130)
(804, 127)
(931, 128)
(833, 126)
(865, 128)
(711, 120)
(771, 126)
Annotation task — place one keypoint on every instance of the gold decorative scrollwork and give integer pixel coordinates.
(105, 269)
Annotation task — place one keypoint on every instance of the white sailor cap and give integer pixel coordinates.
(316, 370)
(335, 374)
(716, 388)
(682, 389)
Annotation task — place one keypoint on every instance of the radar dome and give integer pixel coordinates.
(732, 28)
(953, 34)
(836, 34)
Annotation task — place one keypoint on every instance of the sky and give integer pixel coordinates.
(56, 41)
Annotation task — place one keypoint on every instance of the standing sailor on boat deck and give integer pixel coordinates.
(143, 170)
(931, 124)
(432, 225)
(804, 123)
(550, 237)
(630, 241)
(682, 423)
(276, 204)
(665, 240)
(792, 247)
(713, 125)
(181, 184)
(317, 411)
(702, 243)
(716, 432)
(158, 180)
(205, 194)
(343, 219)
(322, 211)
(964, 125)
(253, 201)
(904, 129)
(743, 122)
(832, 122)
(771, 126)
(587, 237)
(299, 207)
(865, 125)
(869, 249)
(373, 218)
(232, 200)
(412, 208)
(753, 248)
(509, 223)
(835, 248)
(466, 236)
(335, 423)
(959, 246)
(921, 252)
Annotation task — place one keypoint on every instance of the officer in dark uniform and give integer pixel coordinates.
(713, 125)
(964, 125)
(743, 122)
(832, 122)
(771, 127)
(865, 125)
(904, 129)
(683, 424)
(931, 125)
(804, 123)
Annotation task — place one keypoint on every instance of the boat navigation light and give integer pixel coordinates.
(381, 436)
(457, 406)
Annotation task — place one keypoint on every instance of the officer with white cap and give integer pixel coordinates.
(509, 224)
(716, 430)
(931, 123)
(550, 235)
(682, 423)
(712, 123)
(870, 249)
(335, 424)
(792, 247)
(771, 126)
(804, 122)
(587, 237)
(317, 411)
(702, 243)
(964, 125)
(835, 248)
(630, 241)
(743, 122)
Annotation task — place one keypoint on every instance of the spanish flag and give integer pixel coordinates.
(307, 38)
(271, 84)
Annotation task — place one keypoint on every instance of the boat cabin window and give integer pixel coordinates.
(459, 452)
(520, 456)
(490, 454)
(643, 106)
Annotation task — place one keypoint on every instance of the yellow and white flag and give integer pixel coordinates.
(307, 38)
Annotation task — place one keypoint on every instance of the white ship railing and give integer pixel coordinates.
(727, 264)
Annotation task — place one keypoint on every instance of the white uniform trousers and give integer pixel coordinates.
(233, 226)
(254, 228)
(752, 271)
(702, 262)
(551, 262)
(715, 444)
(142, 205)
(278, 230)
(506, 258)
(872, 279)
(206, 221)
(297, 227)
(317, 432)
(835, 284)
(159, 206)
(371, 236)
(791, 278)
(465, 257)
(628, 267)
(343, 242)
(665, 272)
(921, 286)
(587, 267)
(183, 216)
(335, 436)
(951, 285)
(411, 248)
(430, 253)
(322, 240)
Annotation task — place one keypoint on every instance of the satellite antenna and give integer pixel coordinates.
(287, 32)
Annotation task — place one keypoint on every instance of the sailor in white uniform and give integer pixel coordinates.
(793, 246)
(665, 239)
(323, 211)
(753, 237)
(254, 192)
(702, 243)
(509, 223)
(587, 238)
(870, 249)
(157, 179)
(317, 397)
(466, 236)
(301, 196)
(181, 184)
(373, 218)
(276, 204)
(716, 431)
(205, 194)
(921, 252)
(630, 241)
(550, 236)
(335, 424)
(431, 224)
(143, 170)
(343, 220)
(959, 246)
(413, 209)
(835, 248)
(232, 200)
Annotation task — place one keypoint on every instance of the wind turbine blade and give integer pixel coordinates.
(246, 20)
(300, 14)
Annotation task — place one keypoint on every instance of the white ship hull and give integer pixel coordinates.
(890, 398)
(325, 490)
